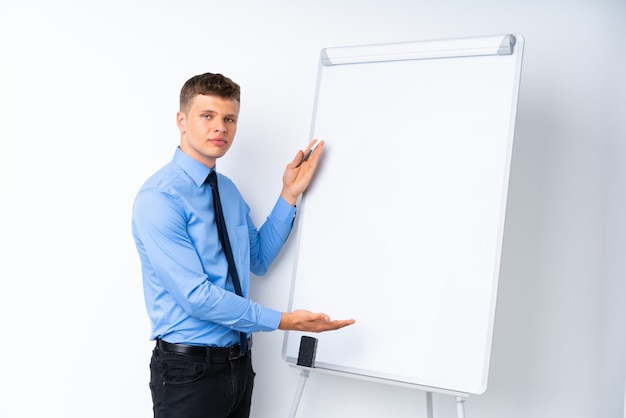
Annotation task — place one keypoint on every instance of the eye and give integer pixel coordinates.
(230, 120)
(206, 116)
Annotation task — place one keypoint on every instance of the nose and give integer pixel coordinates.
(220, 127)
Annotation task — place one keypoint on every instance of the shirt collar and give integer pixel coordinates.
(194, 169)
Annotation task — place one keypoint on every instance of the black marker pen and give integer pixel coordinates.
(308, 154)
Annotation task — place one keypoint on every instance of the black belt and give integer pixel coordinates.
(213, 353)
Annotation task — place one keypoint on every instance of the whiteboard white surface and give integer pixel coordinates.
(402, 226)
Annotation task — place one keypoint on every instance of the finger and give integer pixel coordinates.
(331, 326)
(312, 143)
(334, 325)
(311, 154)
(300, 154)
(296, 160)
(323, 317)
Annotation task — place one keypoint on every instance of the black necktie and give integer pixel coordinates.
(223, 235)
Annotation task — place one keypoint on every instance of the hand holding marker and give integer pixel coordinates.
(308, 154)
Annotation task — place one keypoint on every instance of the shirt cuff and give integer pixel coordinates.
(283, 212)
(271, 319)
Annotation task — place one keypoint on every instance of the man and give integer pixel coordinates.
(201, 365)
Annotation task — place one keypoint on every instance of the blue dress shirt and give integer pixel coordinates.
(188, 294)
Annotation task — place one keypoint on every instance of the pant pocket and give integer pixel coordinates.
(180, 372)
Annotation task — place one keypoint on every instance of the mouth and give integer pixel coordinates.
(218, 141)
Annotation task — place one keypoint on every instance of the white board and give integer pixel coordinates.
(402, 227)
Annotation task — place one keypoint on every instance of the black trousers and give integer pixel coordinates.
(186, 386)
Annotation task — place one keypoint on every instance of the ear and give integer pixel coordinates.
(181, 122)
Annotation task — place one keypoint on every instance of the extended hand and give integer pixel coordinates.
(301, 320)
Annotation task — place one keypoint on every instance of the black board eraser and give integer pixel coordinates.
(306, 355)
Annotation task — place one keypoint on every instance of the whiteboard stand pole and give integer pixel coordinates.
(460, 406)
(429, 405)
(304, 374)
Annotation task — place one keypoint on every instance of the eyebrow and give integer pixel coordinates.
(228, 115)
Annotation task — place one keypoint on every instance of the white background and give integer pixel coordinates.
(88, 94)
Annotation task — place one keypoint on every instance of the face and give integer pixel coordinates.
(207, 128)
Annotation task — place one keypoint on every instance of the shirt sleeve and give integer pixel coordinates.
(175, 269)
(265, 245)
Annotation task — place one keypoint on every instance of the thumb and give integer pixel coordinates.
(323, 317)
(296, 160)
